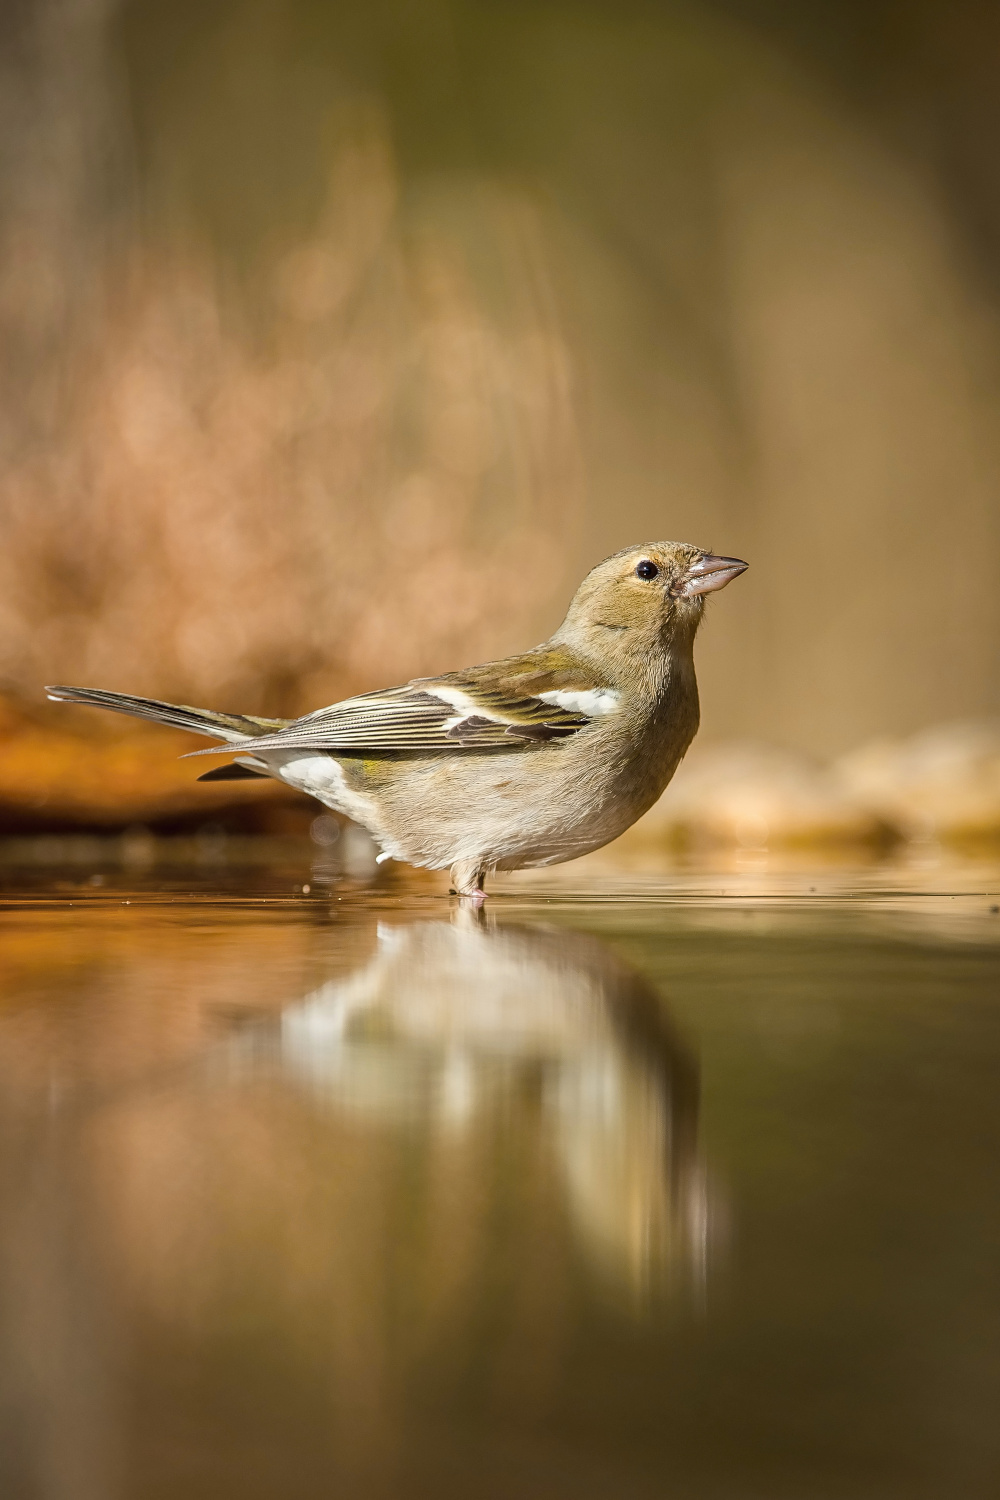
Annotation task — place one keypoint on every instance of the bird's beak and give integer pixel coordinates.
(710, 573)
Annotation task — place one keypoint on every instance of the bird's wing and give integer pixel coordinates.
(474, 711)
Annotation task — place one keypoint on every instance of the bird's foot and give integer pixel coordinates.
(467, 881)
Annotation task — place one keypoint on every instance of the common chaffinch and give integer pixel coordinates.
(531, 760)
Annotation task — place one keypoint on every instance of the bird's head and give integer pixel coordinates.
(645, 600)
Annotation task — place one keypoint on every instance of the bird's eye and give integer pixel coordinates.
(646, 569)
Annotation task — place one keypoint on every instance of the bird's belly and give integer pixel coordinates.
(554, 831)
(538, 808)
(504, 811)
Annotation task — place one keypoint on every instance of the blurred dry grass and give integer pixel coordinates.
(372, 483)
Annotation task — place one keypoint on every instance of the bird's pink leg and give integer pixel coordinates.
(467, 877)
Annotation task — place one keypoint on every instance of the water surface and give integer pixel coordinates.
(632, 1187)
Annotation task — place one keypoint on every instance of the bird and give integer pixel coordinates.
(528, 761)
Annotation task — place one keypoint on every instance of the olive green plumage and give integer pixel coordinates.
(531, 760)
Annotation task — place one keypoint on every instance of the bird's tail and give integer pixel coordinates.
(177, 715)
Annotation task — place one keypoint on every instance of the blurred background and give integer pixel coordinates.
(339, 341)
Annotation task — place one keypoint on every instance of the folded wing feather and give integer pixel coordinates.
(425, 716)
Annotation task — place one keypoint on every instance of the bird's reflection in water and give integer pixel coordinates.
(455, 1025)
(329, 1239)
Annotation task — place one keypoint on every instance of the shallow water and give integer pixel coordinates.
(634, 1187)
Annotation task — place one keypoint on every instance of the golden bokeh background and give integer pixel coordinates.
(340, 341)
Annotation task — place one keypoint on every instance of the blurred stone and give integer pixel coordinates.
(64, 769)
(752, 796)
(941, 783)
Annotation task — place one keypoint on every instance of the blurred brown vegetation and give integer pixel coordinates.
(339, 343)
